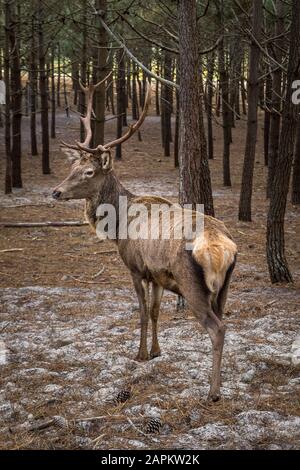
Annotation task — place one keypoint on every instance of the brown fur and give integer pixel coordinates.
(201, 276)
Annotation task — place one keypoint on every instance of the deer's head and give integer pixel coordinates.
(90, 166)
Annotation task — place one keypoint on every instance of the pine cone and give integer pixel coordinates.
(153, 426)
(123, 396)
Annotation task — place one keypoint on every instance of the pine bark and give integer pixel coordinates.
(253, 94)
(16, 100)
(295, 199)
(226, 114)
(8, 165)
(195, 183)
(43, 92)
(277, 262)
(33, 89)
(276, 98)
(101, 72)
(209, 100)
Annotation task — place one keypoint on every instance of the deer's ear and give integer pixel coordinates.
(106, 161)
(72, 154)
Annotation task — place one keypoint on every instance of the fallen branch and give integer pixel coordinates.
(41, 425)
(96, 418)
(104, 252)
(11, 250)
(75, 223)
(49, 204)
(82, 281)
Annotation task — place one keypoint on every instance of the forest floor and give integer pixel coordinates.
(69, 334)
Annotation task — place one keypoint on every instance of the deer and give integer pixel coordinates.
(201, 275)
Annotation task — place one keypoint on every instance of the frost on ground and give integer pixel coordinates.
(69, 378)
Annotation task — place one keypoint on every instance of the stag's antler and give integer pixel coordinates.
(132, 128)
(86, 120)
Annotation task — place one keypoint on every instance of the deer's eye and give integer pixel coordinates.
(89, 173)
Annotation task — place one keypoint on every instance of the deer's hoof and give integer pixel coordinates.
(214, 397)
(154, 354)
(142, 356)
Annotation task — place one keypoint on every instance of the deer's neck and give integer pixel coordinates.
(109, 193)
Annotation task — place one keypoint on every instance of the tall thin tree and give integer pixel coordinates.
(277, 262)
(253, 94)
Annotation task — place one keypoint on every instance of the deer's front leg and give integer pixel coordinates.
(142, 290)
(157, 292)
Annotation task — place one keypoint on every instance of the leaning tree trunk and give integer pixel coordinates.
(253, 93)
(296, 170)
(8, 169)
(43, 94)
(277, 263)
(195, 183)
(16, 101)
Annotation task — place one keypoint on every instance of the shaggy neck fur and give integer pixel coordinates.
(109, 193)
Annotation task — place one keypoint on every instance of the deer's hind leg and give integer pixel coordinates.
(142, 290)
(216, 329)
(157, 292)
(199, 298)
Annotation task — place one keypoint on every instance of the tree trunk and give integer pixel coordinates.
(52, 94)
(176, 138)
(195, 184)
(166, 106)
(209, 99)
(43, 93)
(16, 101)
(58, 77)
(253, 91)
(277, 263)
(157, 99)
(134, 104)
(226, 113)
(120, 101)
(296, 170)
(8, 168)
(67, 108)
(33, 89)
(75, 78)
(122, 89)
(267, 117)
(83, 67)
(243, 90)
(276, 98)
(101, 72)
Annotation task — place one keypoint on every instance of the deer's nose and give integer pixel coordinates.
(56, 194)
